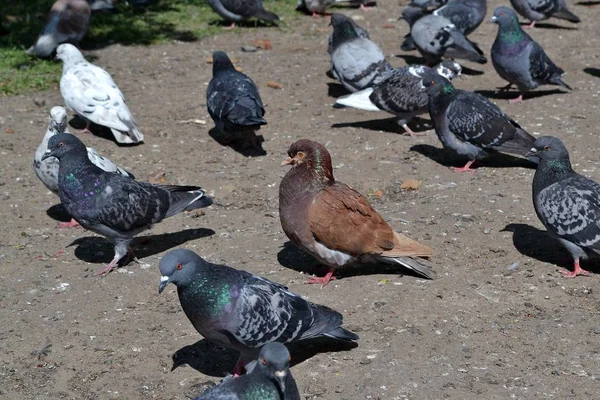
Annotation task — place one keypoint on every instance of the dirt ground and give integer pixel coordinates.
(499, 322)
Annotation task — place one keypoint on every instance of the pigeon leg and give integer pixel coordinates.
(109, 267)
(466, 168)
(239, 368)
(323, 280)
(365, 8)
(87, 127)
(517, 100)
(530, 26)
(230, 26)
(121, 250)
(411, 132)
(577, 270)
(71, 224)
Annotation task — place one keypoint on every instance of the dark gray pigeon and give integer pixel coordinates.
(359, 31)
(401, 93)
(466, 15)
(568, 204)
(233, 102)
(539, 10)
(114, 205)
(470, 124)
(356, 62)
(518, 59)
(241, 10)
(270, 379)
(411, 15)
(239, 310)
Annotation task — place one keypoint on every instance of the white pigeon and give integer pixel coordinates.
(47, 170)
(91, 92)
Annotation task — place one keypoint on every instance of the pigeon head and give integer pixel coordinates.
(69, 54)
(505, 16)
(58, 119)
(221, 62)
(178, 267)
(343, 30)
(435, 83)
(311, 156)
(412, 14)
(549, 148)
(274, 362)
(63, 143)
(449, 69)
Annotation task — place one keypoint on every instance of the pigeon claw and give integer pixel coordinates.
(466, 168)
(109, 267)
(577, 270)
(322, 280)
(517, 100)
(71, 224)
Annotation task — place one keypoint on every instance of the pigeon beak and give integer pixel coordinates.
(493, 20)
(287, 161)
(281, 375)
(532, 152)
(164, 281)
(47, 154)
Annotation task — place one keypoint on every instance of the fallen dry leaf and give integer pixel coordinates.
(379, 194)
(388, 26)
(161, 177)
(9, 130)
(263, 44)
(274, 85)
(410, 184)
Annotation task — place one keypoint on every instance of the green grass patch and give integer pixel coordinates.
(166, 20)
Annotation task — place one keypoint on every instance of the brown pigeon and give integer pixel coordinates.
(333, 222)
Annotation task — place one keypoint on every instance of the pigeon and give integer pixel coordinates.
(356, 61)
(336, 224)
(539, 10)
(466, 15)
(411, 15)
(401, 93)
(271, 377)
(241, 10)
(568, 204)
(242, 311)
(518, 59)
(113, 205)
(67, 22)
(359, 31)
(92, 94)
(362, 4)
(470, 124)
(101, 5)
(427, 3)
(233, 101)
(316, 7)
(47, 170)
(435, 37)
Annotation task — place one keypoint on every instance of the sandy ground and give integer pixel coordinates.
(499, 322)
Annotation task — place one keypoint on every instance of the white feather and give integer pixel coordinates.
(359, 100)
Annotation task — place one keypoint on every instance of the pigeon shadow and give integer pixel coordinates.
(98, 130)
(595, 72)
(336, 90)
(546, 25)
(507, 95)
(470, 71)
(449, 158)
(249, 146)
(588, 3)
(58, 213)
(251, 23)
(386, 125)
(95, 249)
(410, 59)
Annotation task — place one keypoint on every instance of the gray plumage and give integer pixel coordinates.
(470, 124)
(233, 100)
(101, 5)
(466, 15)
(269, 379)
(239, 310)
(359, 31)
(240, 10)
(518, 59)
(401, 93)
(315, 6)
(411, 15)
(356, 62)
(539, 10)
(113, 205)
(427, 3)
(568, 204)
(67, 22)
(47, 170)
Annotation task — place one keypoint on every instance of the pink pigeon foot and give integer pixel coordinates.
(530, 26)
(517, 100)
(230, 26)
(71, 224)
(239, 369)
(323, 15)
(323, 280)
(365, 8)
(466, 168)
(109, 267)
(577, 270)
(411, 132)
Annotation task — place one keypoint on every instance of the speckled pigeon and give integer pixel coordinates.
(67, 22)
(470, 124)
(240, 10)
(233, 102)
(539, 10)
(356, 62)
(47, 170)
(401, 93)
(113, 205)
(568, 204)
(466, 15)
(359, 31)
(518, 59)
(242, 311)
(270, 379)
(336, 224)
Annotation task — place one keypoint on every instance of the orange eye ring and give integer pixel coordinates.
(179, 266)
(547, 148)
(264, 361)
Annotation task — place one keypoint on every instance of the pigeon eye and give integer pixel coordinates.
(61, 144)
(179, 266)
(501, 13)
(300, 155)
(547, 148)
(264, 361)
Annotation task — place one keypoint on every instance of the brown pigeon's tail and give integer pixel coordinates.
(405, 253)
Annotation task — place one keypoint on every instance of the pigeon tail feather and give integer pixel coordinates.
(417, 265)
(558, 81)
(342, 334)
(133, 136)
(521, 144)
(185, 198)
(360, 100)
(566, 15)
(266, 16)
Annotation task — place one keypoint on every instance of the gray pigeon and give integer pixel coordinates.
(239, 310)
(233, 102)
(435, 37)
(67, 22)
(466, 15)
(47, 170)
(518, 59)
(568, 204)
(101, 5)
(411, 15)
(356, 62)
(427, 3)
(315, 7)
(359, 31)
(539, 10)
(401, 93)
(270, 379)
(113, 205)
(470, 124)
(241, 10)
